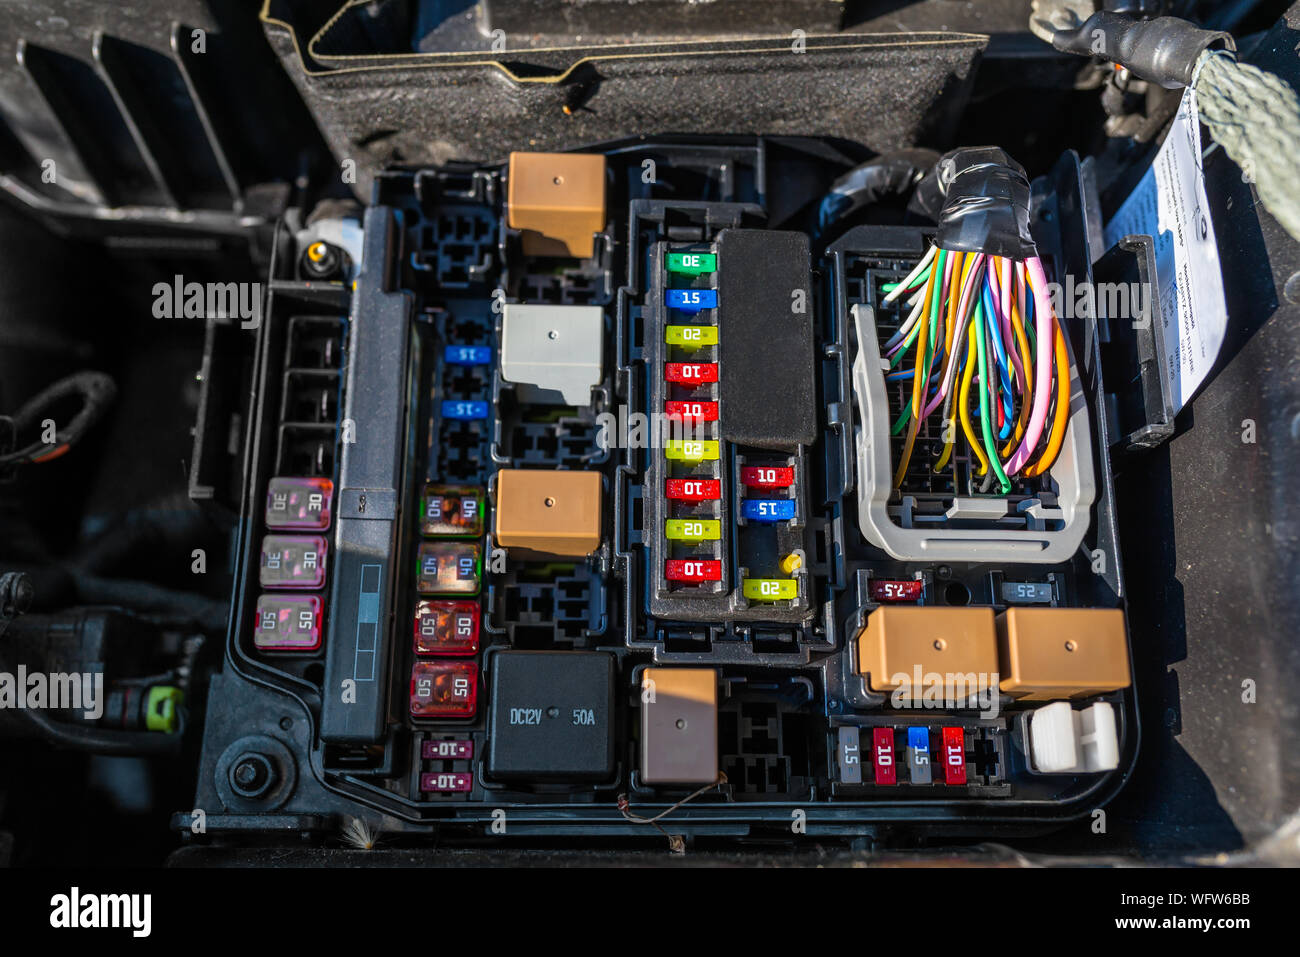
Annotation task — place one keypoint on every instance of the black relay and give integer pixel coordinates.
(551, 716)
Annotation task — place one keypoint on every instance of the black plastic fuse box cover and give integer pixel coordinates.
(552, 716)
(766, 338)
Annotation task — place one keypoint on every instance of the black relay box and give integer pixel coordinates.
(551, 716)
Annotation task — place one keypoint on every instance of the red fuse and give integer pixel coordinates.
(693, 490)
(882, 755)
(691, 373)
(954, 756)
(446, 627)
(444, 689)
(693, 412)
(766, 476)
(692, 570)
(452, 782)
(882, 590)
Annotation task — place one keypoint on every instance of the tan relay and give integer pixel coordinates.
(1050, 653)
(557, 201)
(549, 513)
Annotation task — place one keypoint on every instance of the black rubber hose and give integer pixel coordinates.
(1163, 50)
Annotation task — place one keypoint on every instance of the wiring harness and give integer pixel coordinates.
(981, 332)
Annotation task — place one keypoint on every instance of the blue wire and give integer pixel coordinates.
(1004, 370)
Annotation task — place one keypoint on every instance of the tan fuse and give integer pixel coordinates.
(557, 202)
(1052, 653)
(549, 513)
(903, 645)
(679, 726)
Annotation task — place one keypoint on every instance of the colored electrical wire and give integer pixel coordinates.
(981, 345)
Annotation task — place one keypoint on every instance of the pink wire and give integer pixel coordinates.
(972, 283)
(1042, 396)
(1008, 336)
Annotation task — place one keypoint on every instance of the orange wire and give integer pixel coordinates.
(1062, 413)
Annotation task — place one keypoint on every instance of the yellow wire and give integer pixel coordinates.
(918, 386)
(963, 404)
(954, 293)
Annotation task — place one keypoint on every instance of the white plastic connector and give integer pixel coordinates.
(972, 529)
(1065, 741)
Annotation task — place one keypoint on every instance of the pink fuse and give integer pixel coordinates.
(292, 561)
(294, 504)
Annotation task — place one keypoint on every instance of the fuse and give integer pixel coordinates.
(693, 529)
(467, 355)
(918, 755)
(850, 756)
(766, 476)
(464, 410)
(767, 509)
(954, 756)
(444, 689)
(692, 264)
(692, 570)
(691, 300)
(299, 503)
(451, 510)
(691, 411)
(691, 450)
(691, 337)
(292, 561)
(448, 568)
(693, 490)
(882, 755)
(454, 750)
(905, 590)
(691, 373)
(770, 589)
(446, 782)
(1027, 593)
(446, 627)
(287, 623)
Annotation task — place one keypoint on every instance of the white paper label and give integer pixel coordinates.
(1169, 204)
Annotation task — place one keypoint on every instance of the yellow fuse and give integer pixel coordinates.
(691, 337)
(691, 450)
(770, 589)
(693, 529)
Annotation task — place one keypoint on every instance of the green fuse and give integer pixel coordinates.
(691, 337)
(770, 589)
(692, 264)
(693, 530)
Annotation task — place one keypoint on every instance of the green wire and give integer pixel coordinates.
(985, 425)
(925, 274)
(935, 308)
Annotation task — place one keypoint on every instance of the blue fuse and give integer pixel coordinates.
(467, 355)
(767, 509)
(464, 409)
(918, 755)
(691, 300)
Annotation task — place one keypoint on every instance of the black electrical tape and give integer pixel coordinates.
(1163, 50)
(893, 174)
(985, 203)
